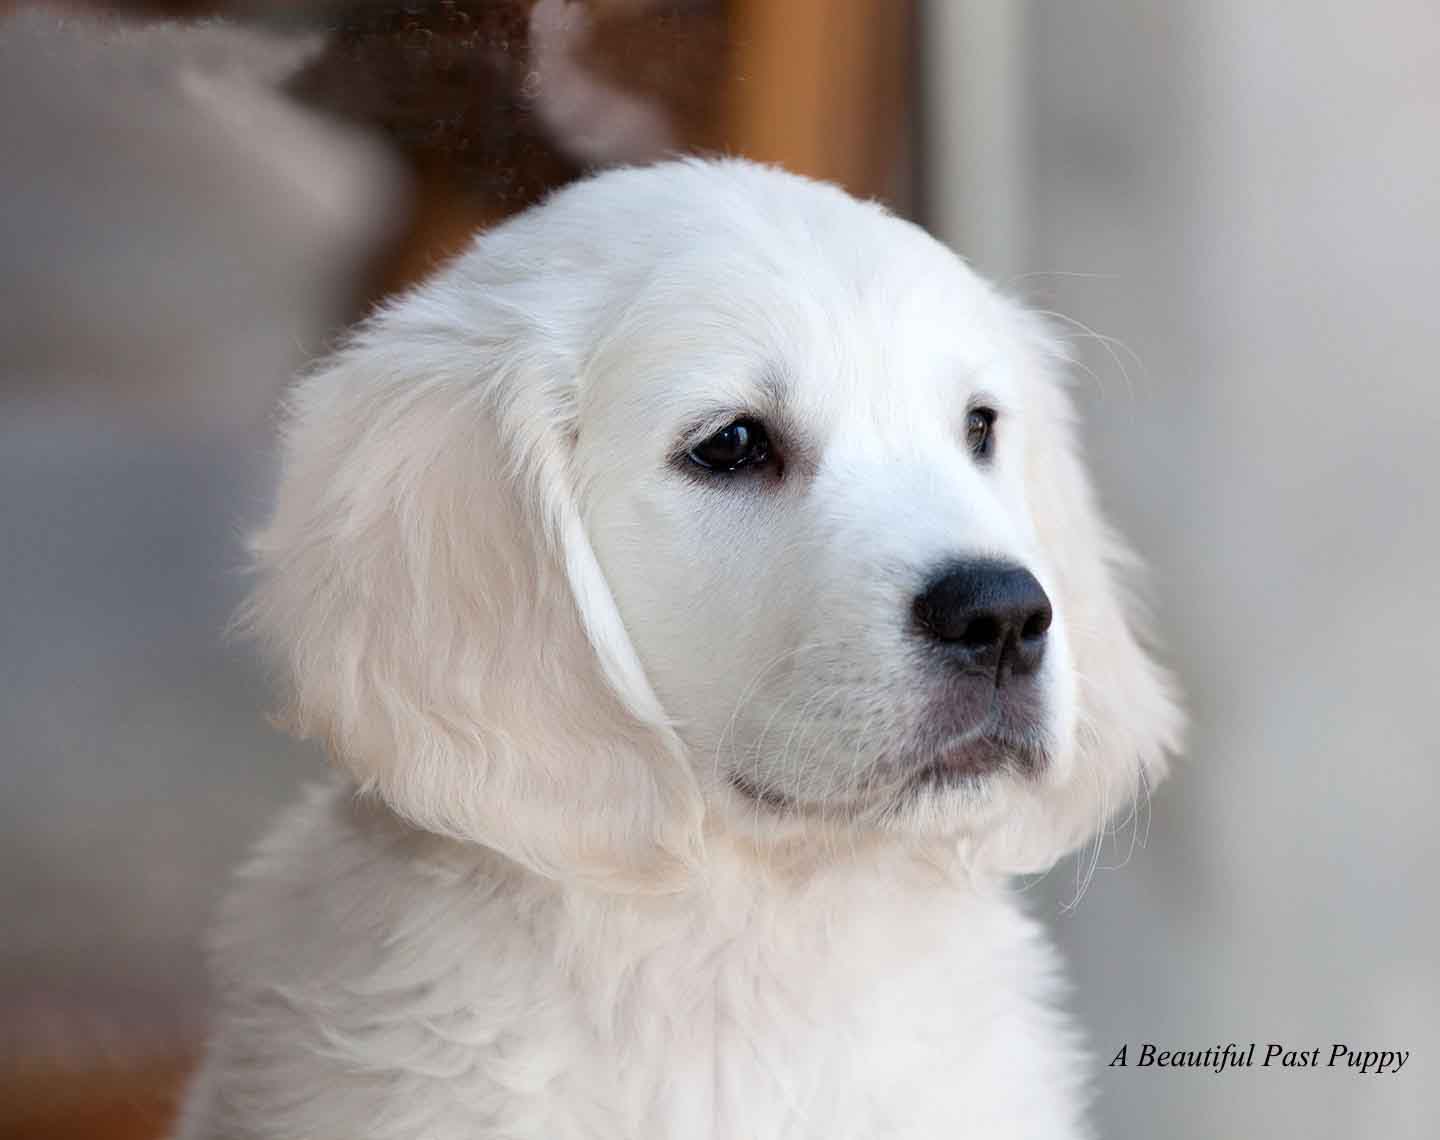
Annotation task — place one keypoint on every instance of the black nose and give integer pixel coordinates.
(990, 616)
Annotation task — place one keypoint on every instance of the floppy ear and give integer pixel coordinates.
(447, 629)
(1128, 721)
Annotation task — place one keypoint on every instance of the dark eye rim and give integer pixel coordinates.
(761, 455)
(980, 430)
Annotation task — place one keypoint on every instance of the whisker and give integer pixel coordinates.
(1109, 343)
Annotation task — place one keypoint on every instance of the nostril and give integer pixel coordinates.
(1037, 624)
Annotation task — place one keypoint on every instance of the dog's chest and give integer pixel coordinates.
(455, 1009)
(803, 1047)
(906, 1022)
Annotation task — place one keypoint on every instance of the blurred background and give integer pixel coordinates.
(1234, 208)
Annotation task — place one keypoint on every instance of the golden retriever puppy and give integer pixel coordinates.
(700, 594)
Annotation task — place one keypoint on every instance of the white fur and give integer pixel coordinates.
(546, 650)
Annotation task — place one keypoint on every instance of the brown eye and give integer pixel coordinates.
(744, 443)
(980, 432)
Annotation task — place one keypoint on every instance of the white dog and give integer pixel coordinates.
(698, 580)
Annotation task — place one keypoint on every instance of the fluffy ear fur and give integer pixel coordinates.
(428, 582)
(1129, 721)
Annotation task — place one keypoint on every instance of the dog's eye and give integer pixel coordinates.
(980, 431)
(744, 443)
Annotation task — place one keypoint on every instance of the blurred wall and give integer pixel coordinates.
(176, 237)
(1245, 195)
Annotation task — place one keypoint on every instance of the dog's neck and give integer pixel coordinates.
(739, 871)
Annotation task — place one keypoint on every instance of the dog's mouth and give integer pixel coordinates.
(766, 796)
(971, 760)
(960, 763)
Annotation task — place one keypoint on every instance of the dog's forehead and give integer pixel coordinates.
(722, 286)
(882, 329)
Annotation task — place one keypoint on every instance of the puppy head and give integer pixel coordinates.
(704, 489)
